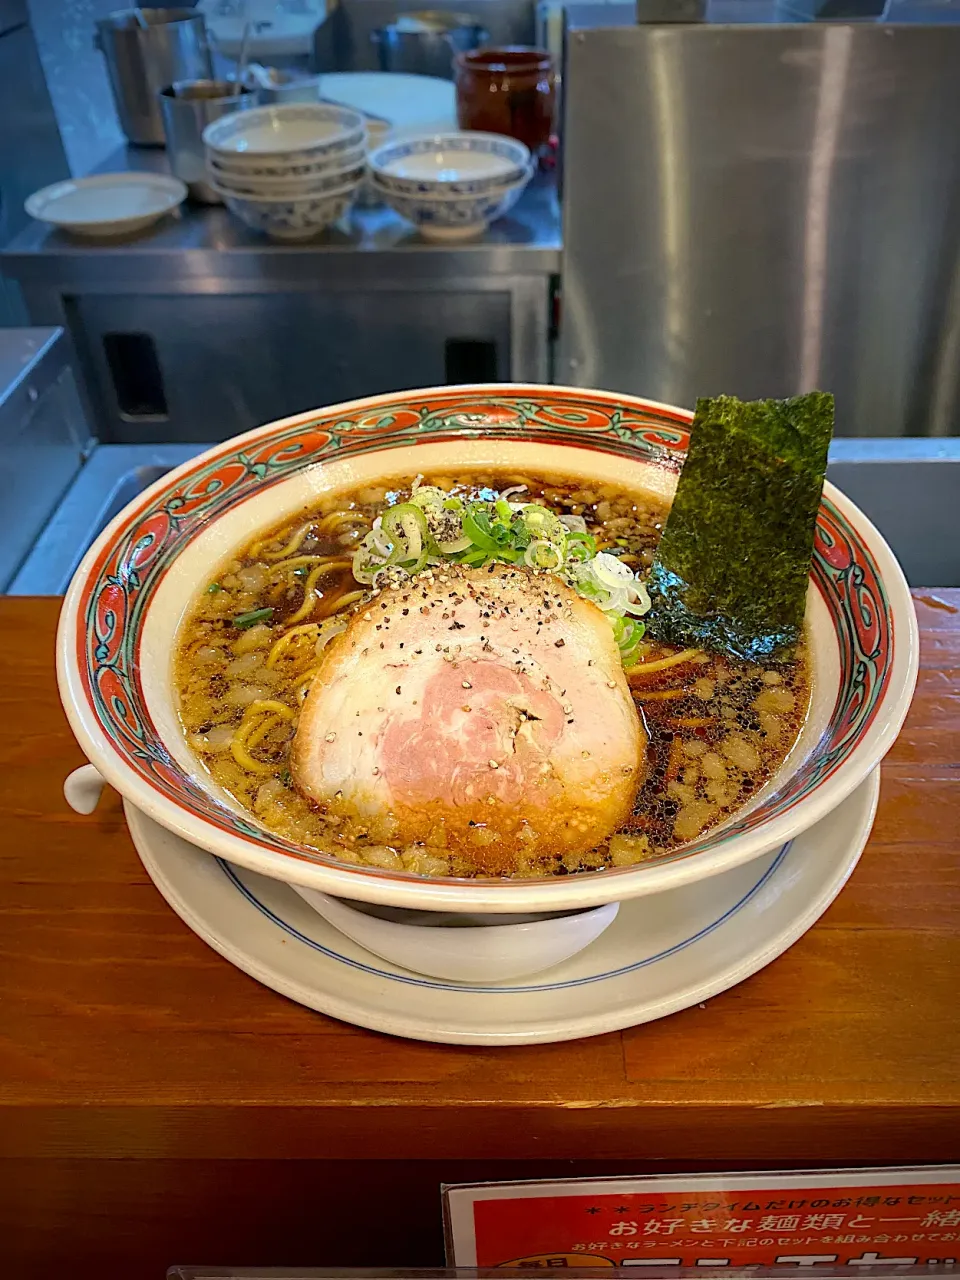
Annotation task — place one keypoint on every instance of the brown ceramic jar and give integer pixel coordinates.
(510, 91)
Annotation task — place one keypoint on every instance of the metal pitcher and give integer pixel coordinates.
(188, 106)
(146, 50)
(425, 43)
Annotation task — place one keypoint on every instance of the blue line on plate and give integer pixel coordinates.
(435, 985)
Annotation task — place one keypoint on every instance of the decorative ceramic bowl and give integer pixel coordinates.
(447, 218)
(289, 188)
(270, 136)
(119, 624)
(378, 131)
(292, 217)
(284, 171)
(447, 164)
(480, 949)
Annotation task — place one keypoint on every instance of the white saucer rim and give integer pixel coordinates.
(501, 988)
(172, 189)
(384, 1020)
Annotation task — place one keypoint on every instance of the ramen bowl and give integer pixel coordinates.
(463, 948)
(120, 621)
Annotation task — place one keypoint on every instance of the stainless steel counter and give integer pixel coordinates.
(20, 350)
(238, 329)
(203, 242)
(42, 436)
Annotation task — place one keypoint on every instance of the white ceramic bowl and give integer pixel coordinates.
(483, 952)
(285, 173)
(287, 188)
(119, 622)
(265, 138)
(298, 217)
(446, 164)
(449, 217)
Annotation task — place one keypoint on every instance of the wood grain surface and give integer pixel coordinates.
(159, 1106)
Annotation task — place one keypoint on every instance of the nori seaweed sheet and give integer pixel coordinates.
(731, 570)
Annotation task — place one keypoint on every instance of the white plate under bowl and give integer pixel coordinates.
(663, 953)
(107, 204)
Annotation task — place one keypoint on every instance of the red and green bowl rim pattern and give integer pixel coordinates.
(122, 581)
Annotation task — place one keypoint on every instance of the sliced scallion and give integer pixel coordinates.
(244, 620)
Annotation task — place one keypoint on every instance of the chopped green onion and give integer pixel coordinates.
(451, 548)
(213, 588)
(406, 527)
(474, 520)
(543, 555)
(434, 527)
(580, 546)
(245, 620)
(428, 496)
(416, 566)
(542, 523)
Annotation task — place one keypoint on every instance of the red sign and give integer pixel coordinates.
(868, 1219)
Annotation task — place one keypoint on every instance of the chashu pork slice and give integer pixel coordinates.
(480, 711)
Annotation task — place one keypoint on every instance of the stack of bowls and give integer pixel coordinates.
(451, 186)
(378, 132)
(288, 171)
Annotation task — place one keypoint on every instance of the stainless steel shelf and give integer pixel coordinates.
(199, 328)
(206, 245)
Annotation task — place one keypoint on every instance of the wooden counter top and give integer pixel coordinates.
(129, 1050)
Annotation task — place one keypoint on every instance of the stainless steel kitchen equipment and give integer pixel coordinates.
(763, 209)
(187, 107)
(274, 86)
(343, 41)
(43, 436)
(145, 50)
(111, 476)
(200, 328)
(426, 43)
(31, 152)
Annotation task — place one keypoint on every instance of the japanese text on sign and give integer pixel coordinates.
(864, 1219)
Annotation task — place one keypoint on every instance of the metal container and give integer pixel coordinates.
(146, 50)
(187, 107)
(426, 43)
(274, 86)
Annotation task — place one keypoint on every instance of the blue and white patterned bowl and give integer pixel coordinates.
(449, 217)
(281, 171)
(296, 218)
(289, 188)
(272, 137)
(448, 164)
